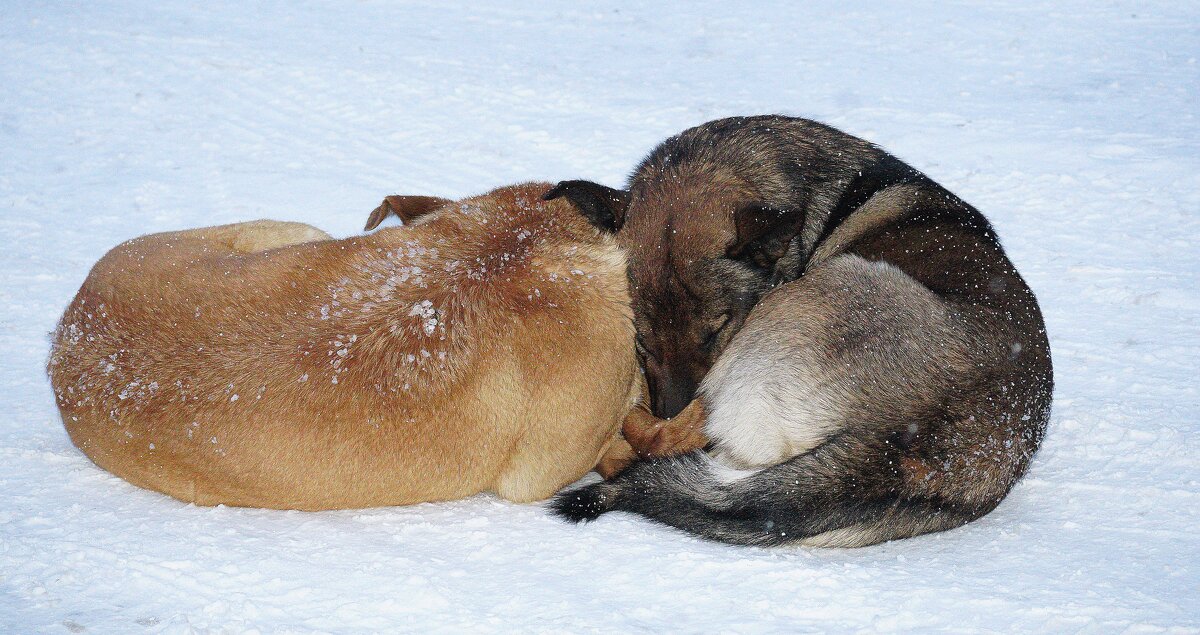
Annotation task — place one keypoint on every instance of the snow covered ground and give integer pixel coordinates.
(1073, 127)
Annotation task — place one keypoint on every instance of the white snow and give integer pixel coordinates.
(1074, 127)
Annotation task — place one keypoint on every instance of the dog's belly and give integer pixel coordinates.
(287, 453)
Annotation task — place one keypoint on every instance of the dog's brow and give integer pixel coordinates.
(664, 272)
(685, 286)
(670, 270)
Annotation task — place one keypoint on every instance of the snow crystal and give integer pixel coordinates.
(428, 315)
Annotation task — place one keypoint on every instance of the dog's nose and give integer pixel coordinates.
(672, 395)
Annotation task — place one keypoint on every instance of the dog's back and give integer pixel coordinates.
(487, 348)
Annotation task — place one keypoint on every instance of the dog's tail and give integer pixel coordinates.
(840, 494)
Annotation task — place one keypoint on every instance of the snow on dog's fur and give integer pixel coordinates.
(489, 346)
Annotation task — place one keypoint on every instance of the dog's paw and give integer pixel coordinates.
(641, 430)
(654, 437)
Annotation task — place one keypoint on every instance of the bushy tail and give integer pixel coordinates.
(838, 495)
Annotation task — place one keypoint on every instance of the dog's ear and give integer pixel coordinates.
(763, 234)
(603, 206)
(407, 208)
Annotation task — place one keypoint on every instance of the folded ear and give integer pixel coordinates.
(603, 206)
(407, 208)
(763, 234)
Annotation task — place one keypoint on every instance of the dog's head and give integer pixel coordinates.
(702, 252)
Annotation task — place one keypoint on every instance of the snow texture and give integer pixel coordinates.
(1073, 127)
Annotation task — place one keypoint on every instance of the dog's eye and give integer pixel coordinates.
(718, 326)
(642, 350)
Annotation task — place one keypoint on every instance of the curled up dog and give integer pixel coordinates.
(863, 358)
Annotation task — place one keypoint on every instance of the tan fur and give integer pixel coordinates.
(653, 437)
(487, 348)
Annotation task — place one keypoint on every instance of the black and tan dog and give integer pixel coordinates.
(866, 361)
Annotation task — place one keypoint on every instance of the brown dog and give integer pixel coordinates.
(488, 347)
